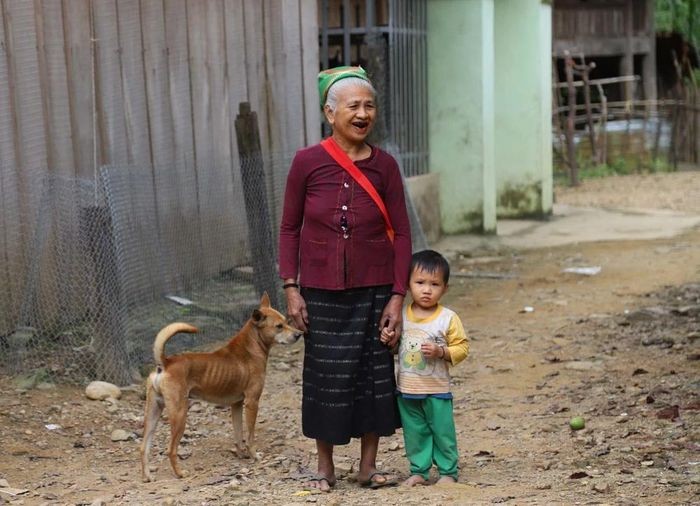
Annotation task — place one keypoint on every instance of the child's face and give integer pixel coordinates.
(426, 288)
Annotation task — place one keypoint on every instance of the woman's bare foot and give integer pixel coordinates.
(446, 479)
(413, 480)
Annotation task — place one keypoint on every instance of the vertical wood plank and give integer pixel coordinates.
(79, 70)
(237, 91)
(235, 54)
(111, 116)
(288, 61)
(176, 36)
(22, 44)
(180, 99)
(155, 71)
(273, 76)
(10, 230)
(255, 67)
(134, 88)
(277, 91)
(111, 134)
(309, 70)
(30, 142)
(221, 133)
(47, 289)
(134, 115)
(8, 155)
(211, 130)
(285, 89)
(168, 194)
(200, 96)
(54, 80)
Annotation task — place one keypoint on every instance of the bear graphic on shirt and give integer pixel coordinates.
(410, 357)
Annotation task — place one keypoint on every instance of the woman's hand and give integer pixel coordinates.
(296, 309)
(390, 323)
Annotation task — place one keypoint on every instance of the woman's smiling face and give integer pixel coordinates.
(354, 114)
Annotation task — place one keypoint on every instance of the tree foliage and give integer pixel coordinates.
(679, 16)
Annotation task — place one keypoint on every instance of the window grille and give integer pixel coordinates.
(389, 39)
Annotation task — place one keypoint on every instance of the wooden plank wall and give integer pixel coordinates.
(10, 230)
(572, 19)
(29, 135)
(154, 84)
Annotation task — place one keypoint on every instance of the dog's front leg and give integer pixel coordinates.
(251, 415)
(237, 420)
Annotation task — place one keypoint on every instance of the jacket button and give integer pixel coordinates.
(344, 208)
(346, 236)
(346, 185)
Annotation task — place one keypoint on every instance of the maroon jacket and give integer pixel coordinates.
(332, 234)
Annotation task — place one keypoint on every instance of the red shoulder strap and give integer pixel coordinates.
(344, 161)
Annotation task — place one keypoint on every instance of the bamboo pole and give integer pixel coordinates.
(602, 126)
(571, 148)
(695, 137)
(585, 71)
(602, 81)
(657, 135)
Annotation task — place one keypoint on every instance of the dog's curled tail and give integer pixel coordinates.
(166, 333)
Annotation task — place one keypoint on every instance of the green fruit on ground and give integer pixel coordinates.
(577, 423)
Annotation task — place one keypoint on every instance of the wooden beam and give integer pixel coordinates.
(602, 46)
(603, 81)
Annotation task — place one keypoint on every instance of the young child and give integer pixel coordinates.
(432, 339)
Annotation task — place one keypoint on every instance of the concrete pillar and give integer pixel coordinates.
(523, 110)
(461, 111)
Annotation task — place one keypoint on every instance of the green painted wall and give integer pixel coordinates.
(523, 156)
(489, 78)
(461, 111)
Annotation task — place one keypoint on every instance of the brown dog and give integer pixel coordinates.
(233, 375)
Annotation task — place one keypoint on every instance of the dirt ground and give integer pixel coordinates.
(620, 348)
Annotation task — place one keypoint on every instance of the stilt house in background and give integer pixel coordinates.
(618, 35)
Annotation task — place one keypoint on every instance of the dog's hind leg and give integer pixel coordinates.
(177, 414)
(153, 410)
(237, 420)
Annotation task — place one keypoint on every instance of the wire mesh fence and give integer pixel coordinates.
(107, 267)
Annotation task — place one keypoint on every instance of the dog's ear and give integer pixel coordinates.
(265, 301)
(257, 316)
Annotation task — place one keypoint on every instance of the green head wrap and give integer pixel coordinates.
(328, 77)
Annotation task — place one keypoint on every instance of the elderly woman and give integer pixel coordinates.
(345, 251)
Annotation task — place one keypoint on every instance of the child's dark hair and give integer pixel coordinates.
(431, 261)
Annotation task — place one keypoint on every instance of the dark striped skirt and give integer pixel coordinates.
(349, 380)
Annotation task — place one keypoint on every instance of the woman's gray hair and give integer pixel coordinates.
(338, 86)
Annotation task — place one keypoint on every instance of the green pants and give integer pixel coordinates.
(429, 435)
